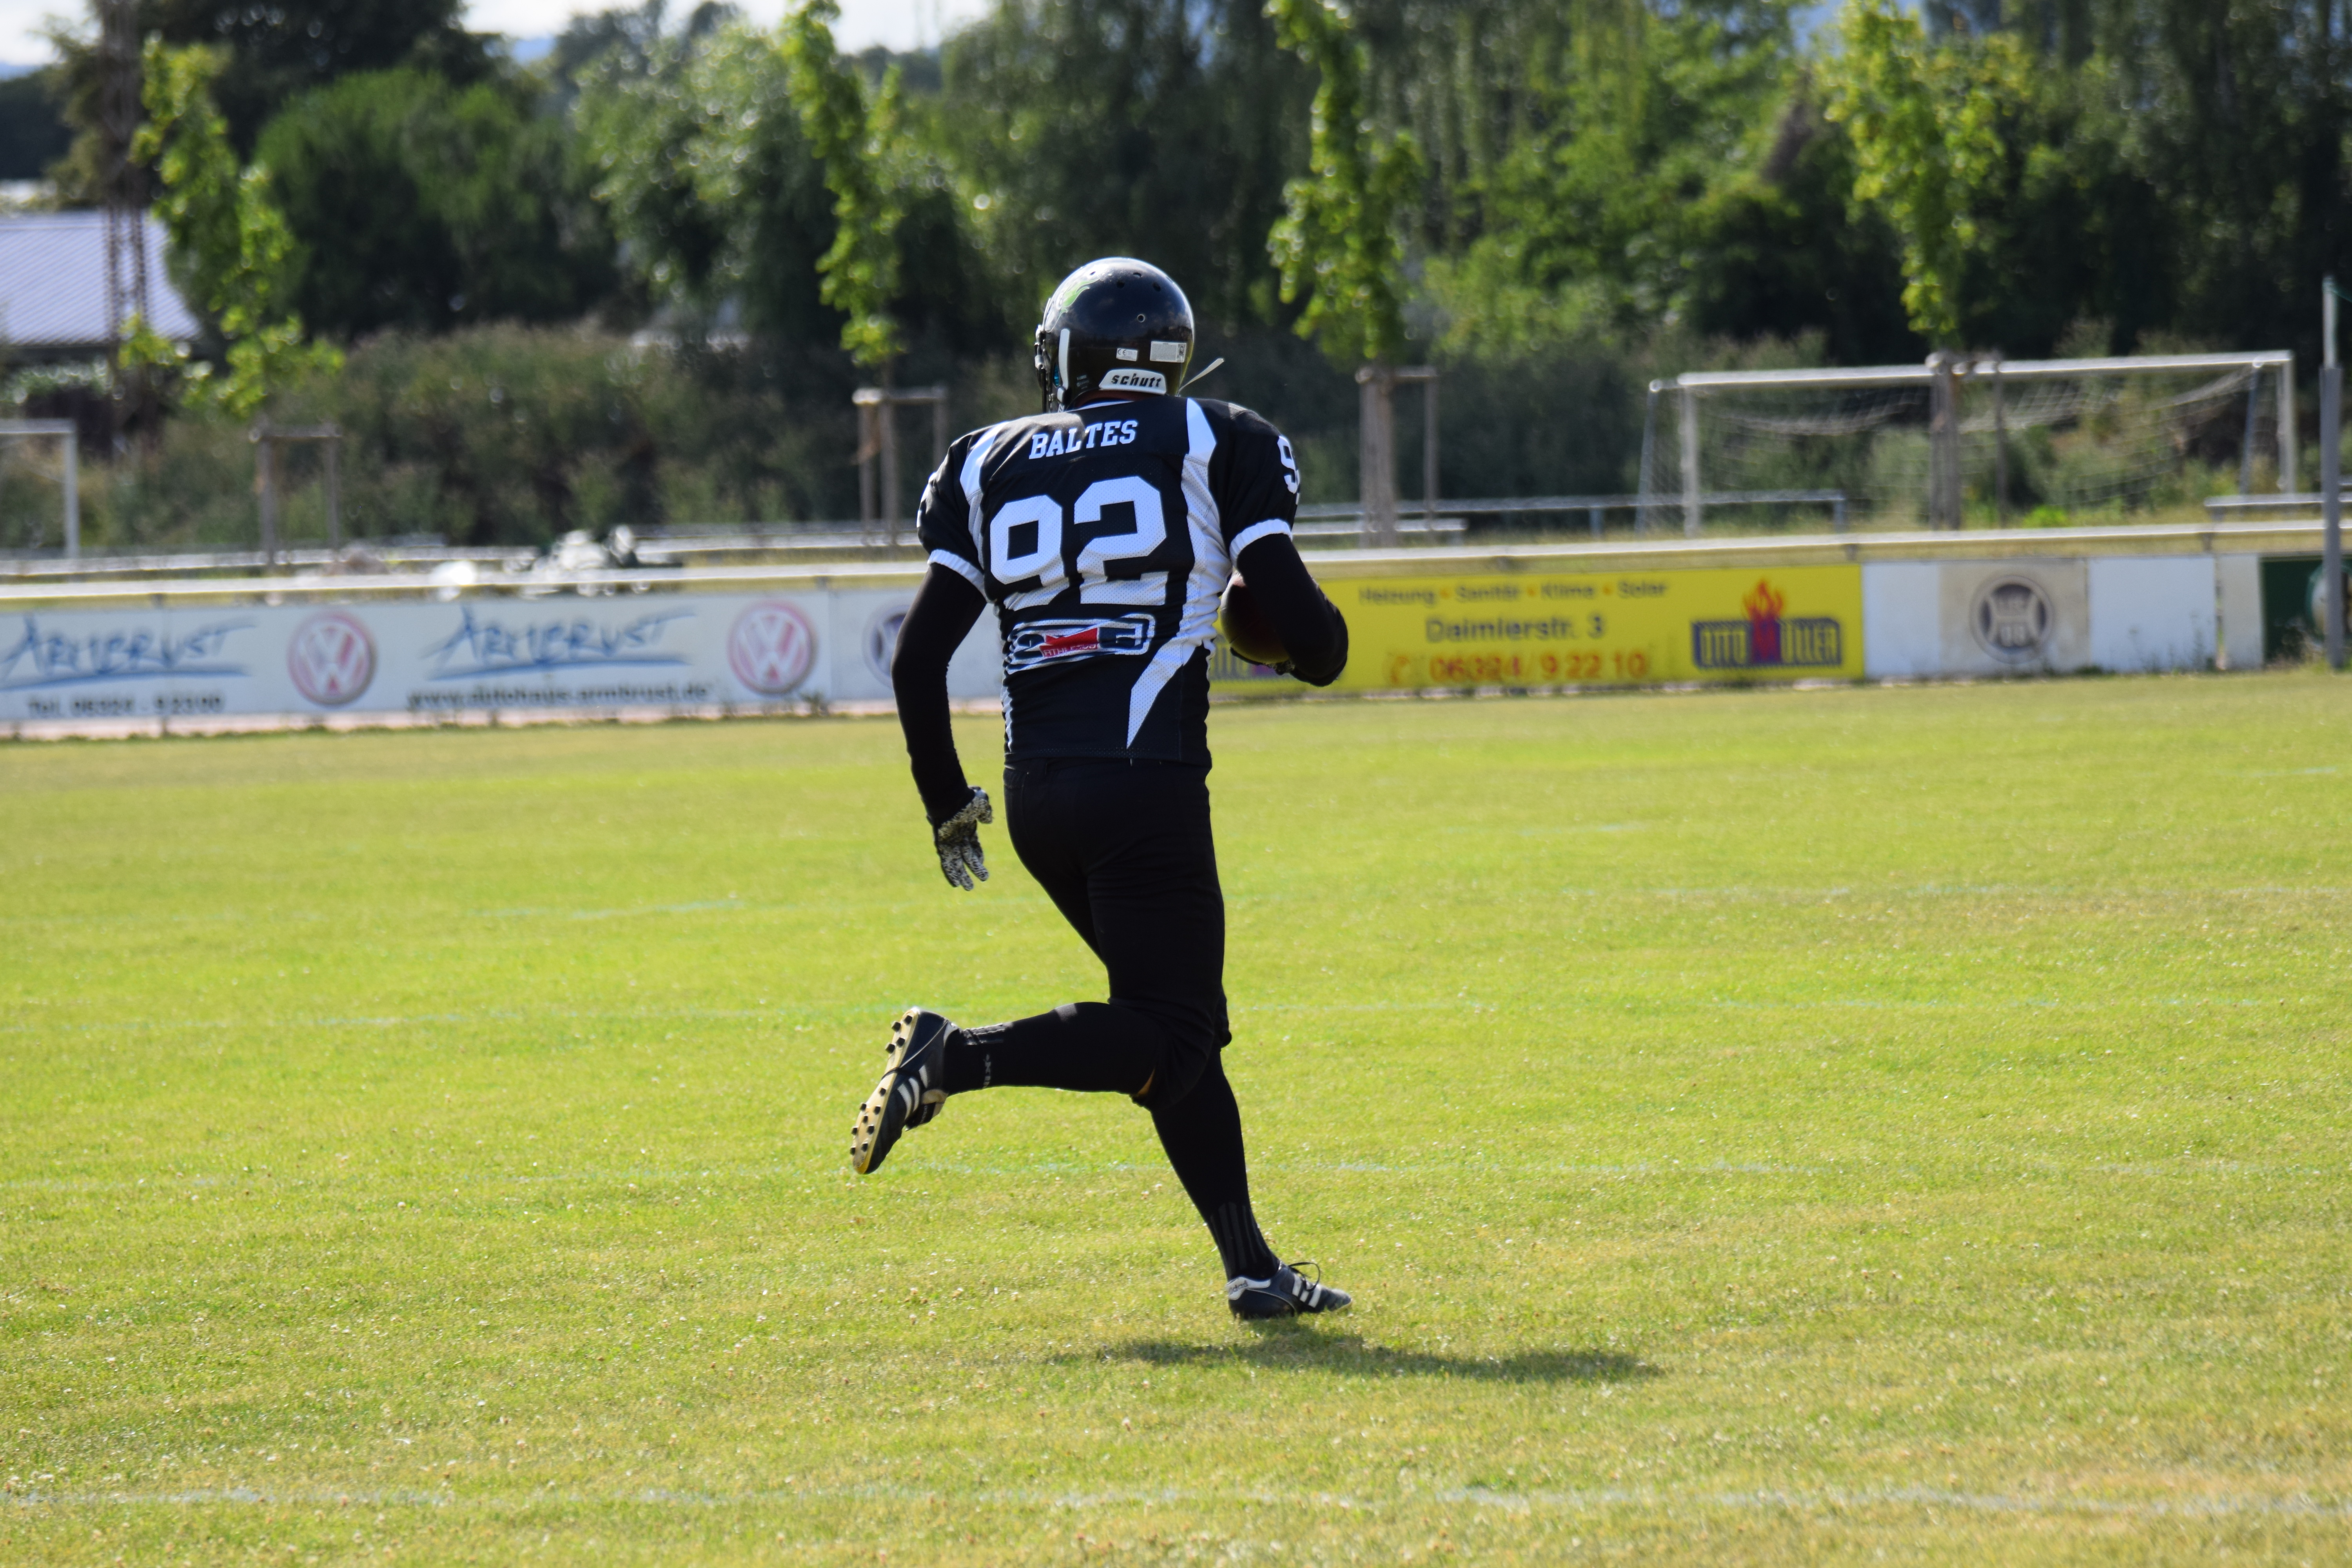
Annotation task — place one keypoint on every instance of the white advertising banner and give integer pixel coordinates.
(476, 655)
(2053, 615)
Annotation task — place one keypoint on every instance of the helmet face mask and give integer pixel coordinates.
(1117, 325)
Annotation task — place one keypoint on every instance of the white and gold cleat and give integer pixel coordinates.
(911, 1092)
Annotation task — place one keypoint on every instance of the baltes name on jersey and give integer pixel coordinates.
(1104, 537)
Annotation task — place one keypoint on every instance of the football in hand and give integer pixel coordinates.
(1246, 630)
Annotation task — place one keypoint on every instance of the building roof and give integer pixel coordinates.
(53, 283)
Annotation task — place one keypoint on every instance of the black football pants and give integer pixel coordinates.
(1126, 852)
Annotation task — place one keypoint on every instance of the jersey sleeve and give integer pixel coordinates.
(1260, 490)
(944, 521)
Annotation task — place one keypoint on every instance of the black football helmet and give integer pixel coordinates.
(1114, 325)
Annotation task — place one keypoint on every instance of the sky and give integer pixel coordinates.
(900, 24)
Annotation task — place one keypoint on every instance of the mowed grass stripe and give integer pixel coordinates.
(1757, 1126)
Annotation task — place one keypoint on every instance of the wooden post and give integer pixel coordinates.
(888, 457)
(264, 482)
(1376, 453)
(2000, 449)
(2246, 442)
(72, 439)
(869, 403)
(2331, 511)
(2287, 435)
(2331, 480)
(1429, 454)
(334, 444)
(1649, 452)
(1691, 504)
(1943, 444)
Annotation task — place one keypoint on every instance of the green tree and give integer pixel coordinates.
(855, 138)
(2230, 123)
(422, 204)
(269, 55)
(1930, 124)
(702, 166)
(1633, 132)
(1785, 256)
(279, 51)
(1160, 129)
(1337, 243)
(231, 241)
(630, 42)
(709, 178)
(2009, 178)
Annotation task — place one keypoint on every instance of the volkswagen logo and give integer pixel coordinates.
(2013, 619)
(771, 647)
(882, 640)
(332, 658)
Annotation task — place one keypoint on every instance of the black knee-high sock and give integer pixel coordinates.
(1093, 1046)
(1202, 1135)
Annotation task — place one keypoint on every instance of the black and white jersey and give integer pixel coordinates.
(1105, 537)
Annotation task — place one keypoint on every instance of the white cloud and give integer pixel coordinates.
(900, 24)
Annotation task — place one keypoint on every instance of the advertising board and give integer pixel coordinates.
(1612, 628)
(470, 656)
(2054, 614)
(2295, 615)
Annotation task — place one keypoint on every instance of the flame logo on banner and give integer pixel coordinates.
(1764, 603)
(1765, 637)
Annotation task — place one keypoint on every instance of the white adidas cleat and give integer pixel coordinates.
(1288, 1294)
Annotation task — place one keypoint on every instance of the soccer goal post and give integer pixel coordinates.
(66, 436)
(1976, 435)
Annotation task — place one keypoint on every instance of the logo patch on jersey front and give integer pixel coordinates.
(1125, 380)
(1033, 643)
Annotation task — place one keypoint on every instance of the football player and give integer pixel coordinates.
(1103, 531)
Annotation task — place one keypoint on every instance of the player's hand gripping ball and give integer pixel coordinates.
(1246, 629)
(958, 841)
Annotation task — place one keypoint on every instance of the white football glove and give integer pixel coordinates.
(957, 840)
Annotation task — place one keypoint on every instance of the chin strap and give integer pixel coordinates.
(1201, 374)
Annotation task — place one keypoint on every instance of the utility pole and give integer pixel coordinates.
(2331, 476)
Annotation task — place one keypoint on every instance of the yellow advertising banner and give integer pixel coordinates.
(1592, 628)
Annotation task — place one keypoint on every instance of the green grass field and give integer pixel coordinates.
(1852, 1124)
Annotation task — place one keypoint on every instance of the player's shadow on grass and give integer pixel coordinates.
(1289, 1347)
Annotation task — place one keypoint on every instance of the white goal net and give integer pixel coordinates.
(1978, 442)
